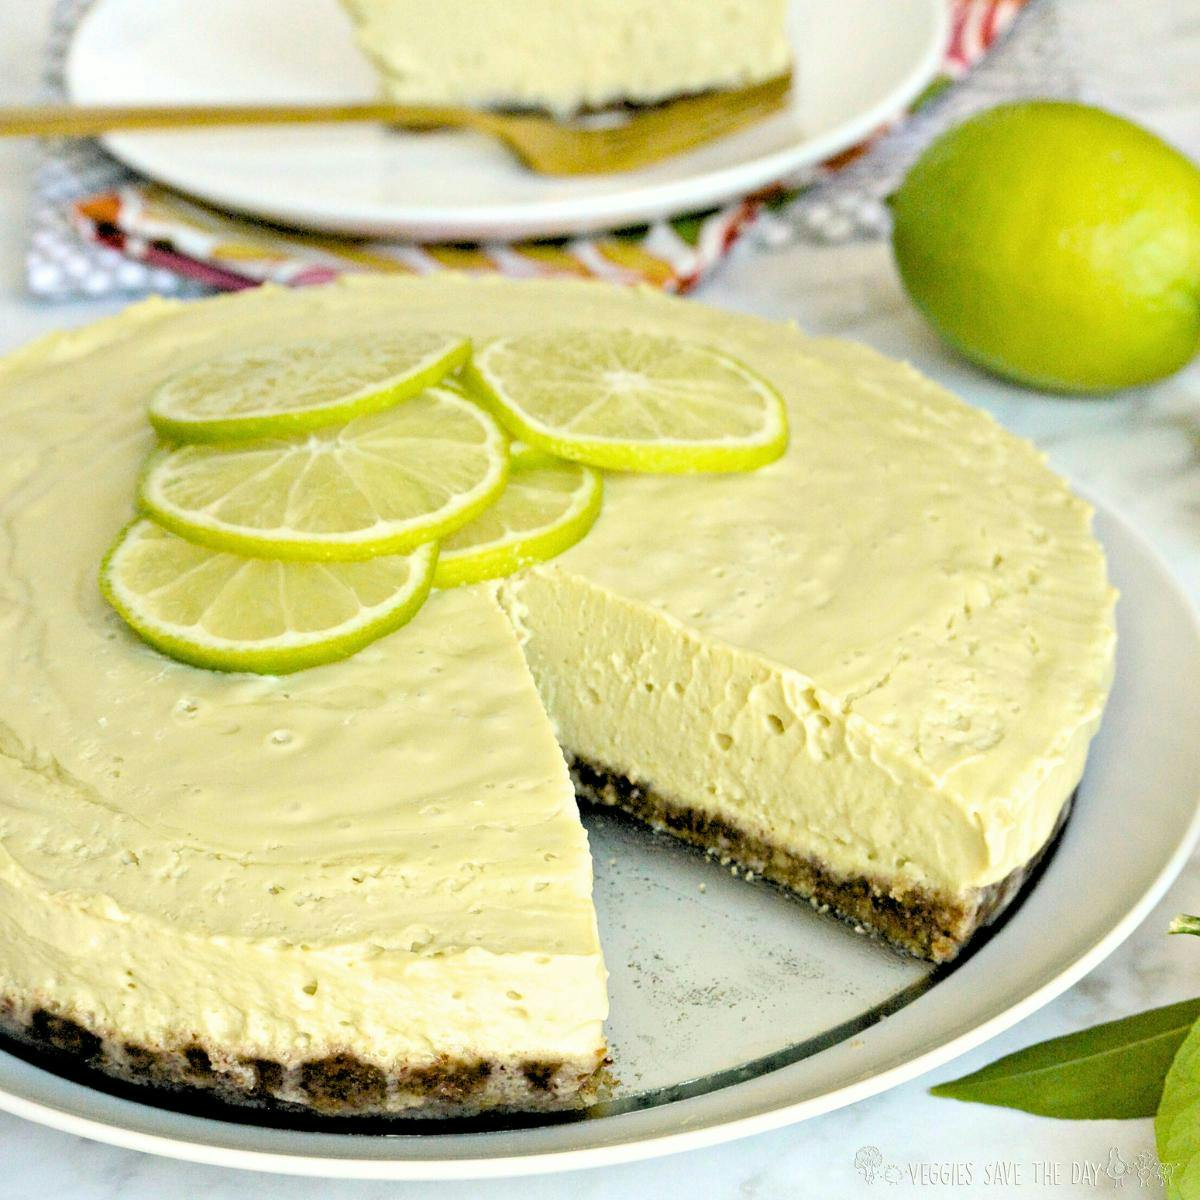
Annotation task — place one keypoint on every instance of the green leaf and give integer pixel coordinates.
(1110, 1071)
(1184, 924)
(1177, 1126)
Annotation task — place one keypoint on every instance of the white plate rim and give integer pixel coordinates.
(553, 217)
(511, 1165)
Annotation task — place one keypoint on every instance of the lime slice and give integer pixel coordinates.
(631, 401)
(280, 390)
(230, 613)
(546, 508)
(382, 484)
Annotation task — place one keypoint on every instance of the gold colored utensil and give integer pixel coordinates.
(542, 143)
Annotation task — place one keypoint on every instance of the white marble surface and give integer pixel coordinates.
(1140, 452)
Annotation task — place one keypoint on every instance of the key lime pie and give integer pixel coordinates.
(565, 56)
(862, 654)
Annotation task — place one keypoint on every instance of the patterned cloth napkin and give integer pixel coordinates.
(99, 230)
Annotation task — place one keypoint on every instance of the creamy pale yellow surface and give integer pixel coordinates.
(888, 649)
(565, 55)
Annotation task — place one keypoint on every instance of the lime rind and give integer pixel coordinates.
(658, 455)
(524, 457)
(278, 655)
(397, 536)
(445, 354)
(464, 563)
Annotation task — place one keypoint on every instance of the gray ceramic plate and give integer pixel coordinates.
(735, 1009)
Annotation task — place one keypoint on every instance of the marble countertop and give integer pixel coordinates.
(1139, 452)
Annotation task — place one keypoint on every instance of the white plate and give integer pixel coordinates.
(737, 1010)
(858, 63)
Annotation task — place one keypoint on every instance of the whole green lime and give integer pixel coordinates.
(1057, 245)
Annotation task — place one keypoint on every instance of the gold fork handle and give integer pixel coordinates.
(74, 121)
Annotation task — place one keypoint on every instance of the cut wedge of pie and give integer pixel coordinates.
(567, 56)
